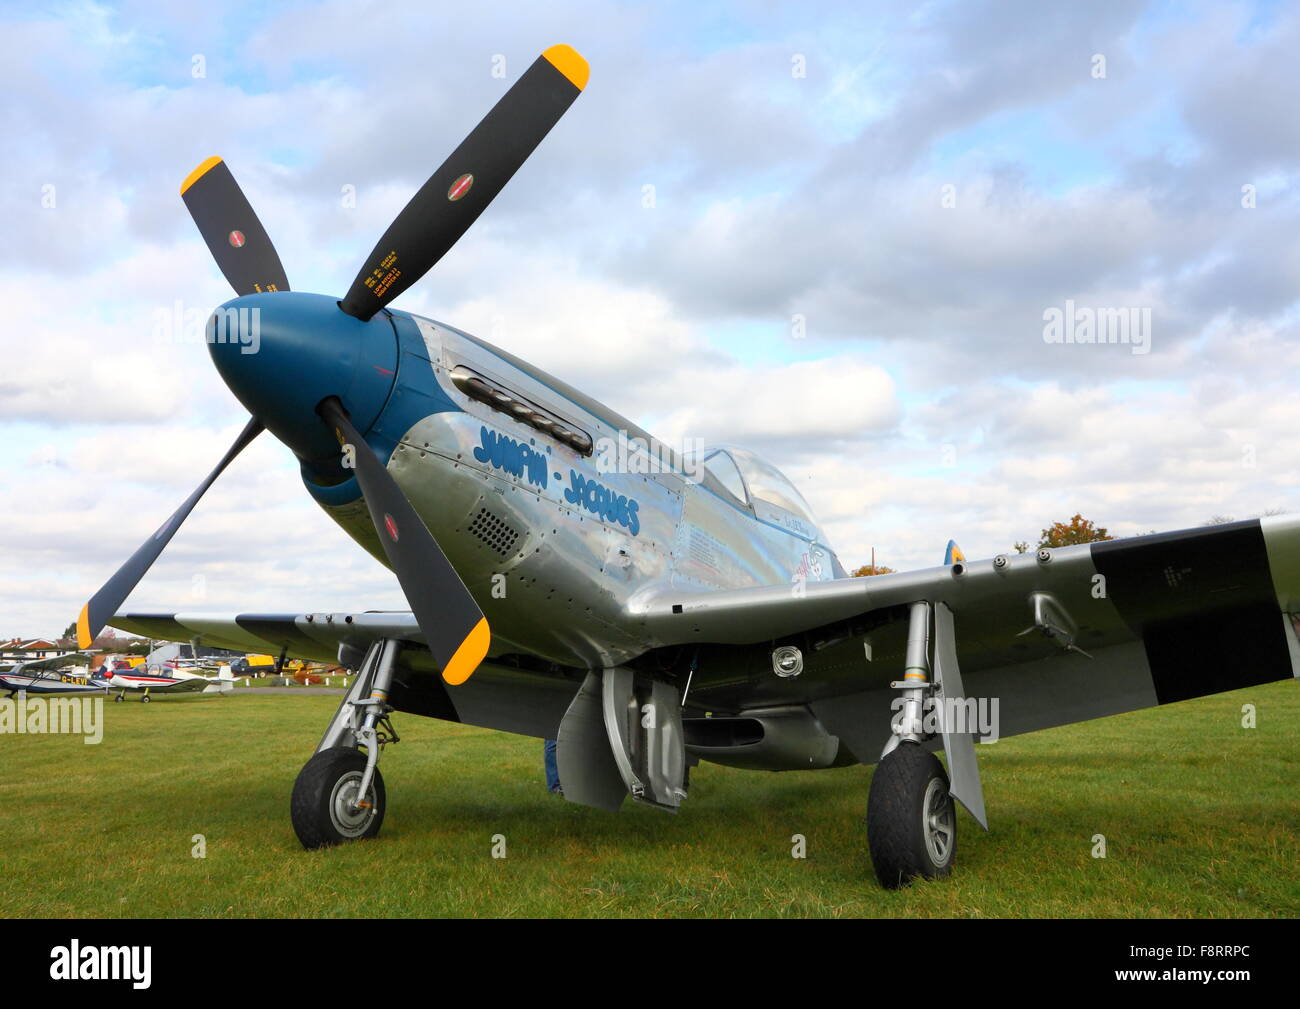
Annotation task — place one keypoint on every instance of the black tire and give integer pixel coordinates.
(145, 699)
(903, 846)
(119, 699)
(317, 808)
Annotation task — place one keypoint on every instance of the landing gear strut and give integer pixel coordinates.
(339, 795)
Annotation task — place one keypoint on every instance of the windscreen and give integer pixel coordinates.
(766, 483)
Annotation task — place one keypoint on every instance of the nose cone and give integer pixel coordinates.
(283, 352)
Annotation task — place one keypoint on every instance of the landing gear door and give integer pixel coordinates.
(589, 773)
(958, 739)
(643, 718)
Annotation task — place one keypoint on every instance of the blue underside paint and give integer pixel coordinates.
(334, 495)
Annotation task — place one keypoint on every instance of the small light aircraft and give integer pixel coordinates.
(169, 679)
(54, 674)
(646, 609)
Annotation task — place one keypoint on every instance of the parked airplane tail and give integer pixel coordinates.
(953, 554)
(222, 683)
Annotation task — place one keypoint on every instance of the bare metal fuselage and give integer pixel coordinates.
(556, 544)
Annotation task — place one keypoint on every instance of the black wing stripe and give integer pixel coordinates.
(1204, 605)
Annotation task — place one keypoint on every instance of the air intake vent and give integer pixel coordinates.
(493, 532)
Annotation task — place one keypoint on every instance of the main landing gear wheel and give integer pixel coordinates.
(144, 699)
(911, 820)
(325, 807)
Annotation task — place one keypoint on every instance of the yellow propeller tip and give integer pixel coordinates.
(569, 62)
(204, 167)
(84, 637)
(470, 653)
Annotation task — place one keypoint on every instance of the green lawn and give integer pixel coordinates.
(1200, 817)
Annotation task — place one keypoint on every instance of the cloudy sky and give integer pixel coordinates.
(834, 236)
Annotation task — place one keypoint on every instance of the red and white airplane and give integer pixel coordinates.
(170, 680)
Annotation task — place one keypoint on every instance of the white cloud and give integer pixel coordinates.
(923, 404)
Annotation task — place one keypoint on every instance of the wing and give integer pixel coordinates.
(32, 666)
(1113, 627)
(306, 636)
(1056, 637)
(498, 696)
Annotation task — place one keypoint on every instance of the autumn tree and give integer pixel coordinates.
(1077, 530)
(872, 569)
(106, 641)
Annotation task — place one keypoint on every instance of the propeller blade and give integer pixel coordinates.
(453, 197)
(454, 627)
(235, 236)
(104, 603)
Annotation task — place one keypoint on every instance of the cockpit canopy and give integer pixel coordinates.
(754, 482)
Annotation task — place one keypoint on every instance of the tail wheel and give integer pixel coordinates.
(911, 819)
(327, 807)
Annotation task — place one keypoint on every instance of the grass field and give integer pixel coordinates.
(1200, 817)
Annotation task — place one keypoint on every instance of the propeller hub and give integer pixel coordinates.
(282, 353)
